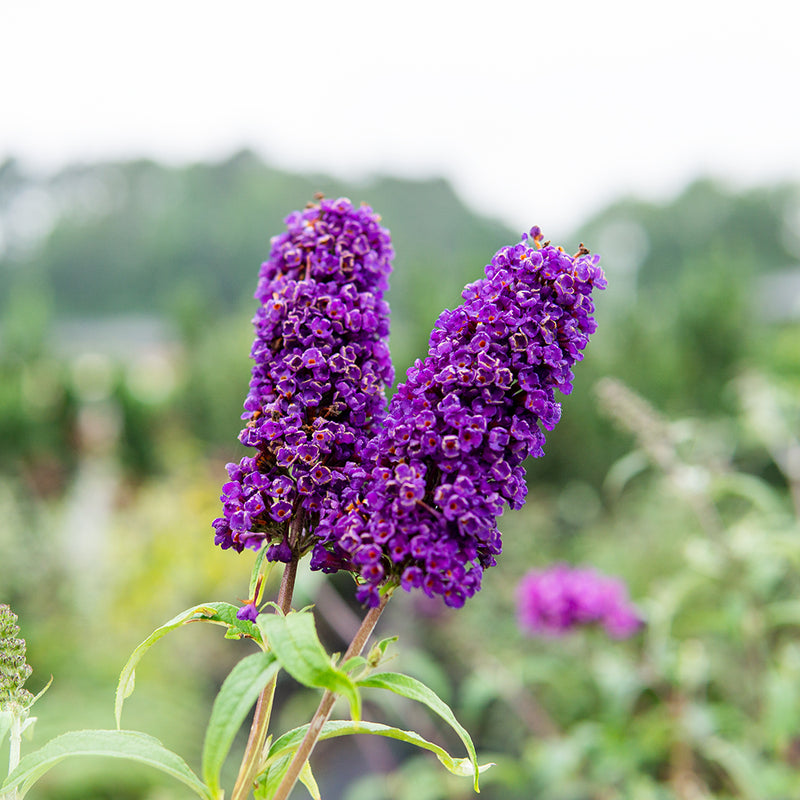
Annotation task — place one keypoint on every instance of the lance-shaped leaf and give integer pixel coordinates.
(282, 749)
(130, 745)
(218, 613)
(236, 697)
(416, 690)
(306, 777)
(293, 638)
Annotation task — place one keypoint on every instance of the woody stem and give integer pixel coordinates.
(258, 728)
(325, 707)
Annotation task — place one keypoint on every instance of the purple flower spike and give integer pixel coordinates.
(554, 601)
(317, 392)
(435, 479)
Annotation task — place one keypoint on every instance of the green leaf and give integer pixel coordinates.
(283, 748)
(41, 691)
(371, 661)
(269, 780)
(130, 745)
(293, 638)
(416, 690)
(307, 779)
(239, 692)
(258, 570)
(354, 663)
(218, 613)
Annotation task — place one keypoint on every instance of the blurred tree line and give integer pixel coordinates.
(182, 245)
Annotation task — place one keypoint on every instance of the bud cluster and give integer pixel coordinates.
(14, 669)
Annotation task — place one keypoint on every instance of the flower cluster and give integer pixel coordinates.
(421, 510)
(551, 602)
(14, 669)
(317, 392)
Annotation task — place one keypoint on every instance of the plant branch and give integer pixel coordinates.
(325, 707)
(258, 728)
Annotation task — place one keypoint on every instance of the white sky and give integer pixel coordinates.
(537, 112)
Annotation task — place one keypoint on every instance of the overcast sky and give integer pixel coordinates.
(537, 112)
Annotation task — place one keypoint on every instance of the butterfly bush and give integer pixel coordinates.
(554, 601)
(421, 508)
(317, 391)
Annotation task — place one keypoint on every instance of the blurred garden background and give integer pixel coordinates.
(147, 155)
(124, 338)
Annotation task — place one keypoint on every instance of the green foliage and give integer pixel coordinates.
(413, 689)
(293, 639)
(683, 313)
(237, 696)
(293, 645)
(130, 745)
(288, 743)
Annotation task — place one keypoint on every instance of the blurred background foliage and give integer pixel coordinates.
(124, 337)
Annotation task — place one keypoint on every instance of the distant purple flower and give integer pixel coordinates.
(556, 600)
(317, 392)
(435, 479)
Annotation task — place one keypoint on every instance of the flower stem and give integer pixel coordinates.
(258, 728)
(15, 740)
(325, 707)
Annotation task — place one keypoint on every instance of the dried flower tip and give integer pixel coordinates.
(583, 250)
